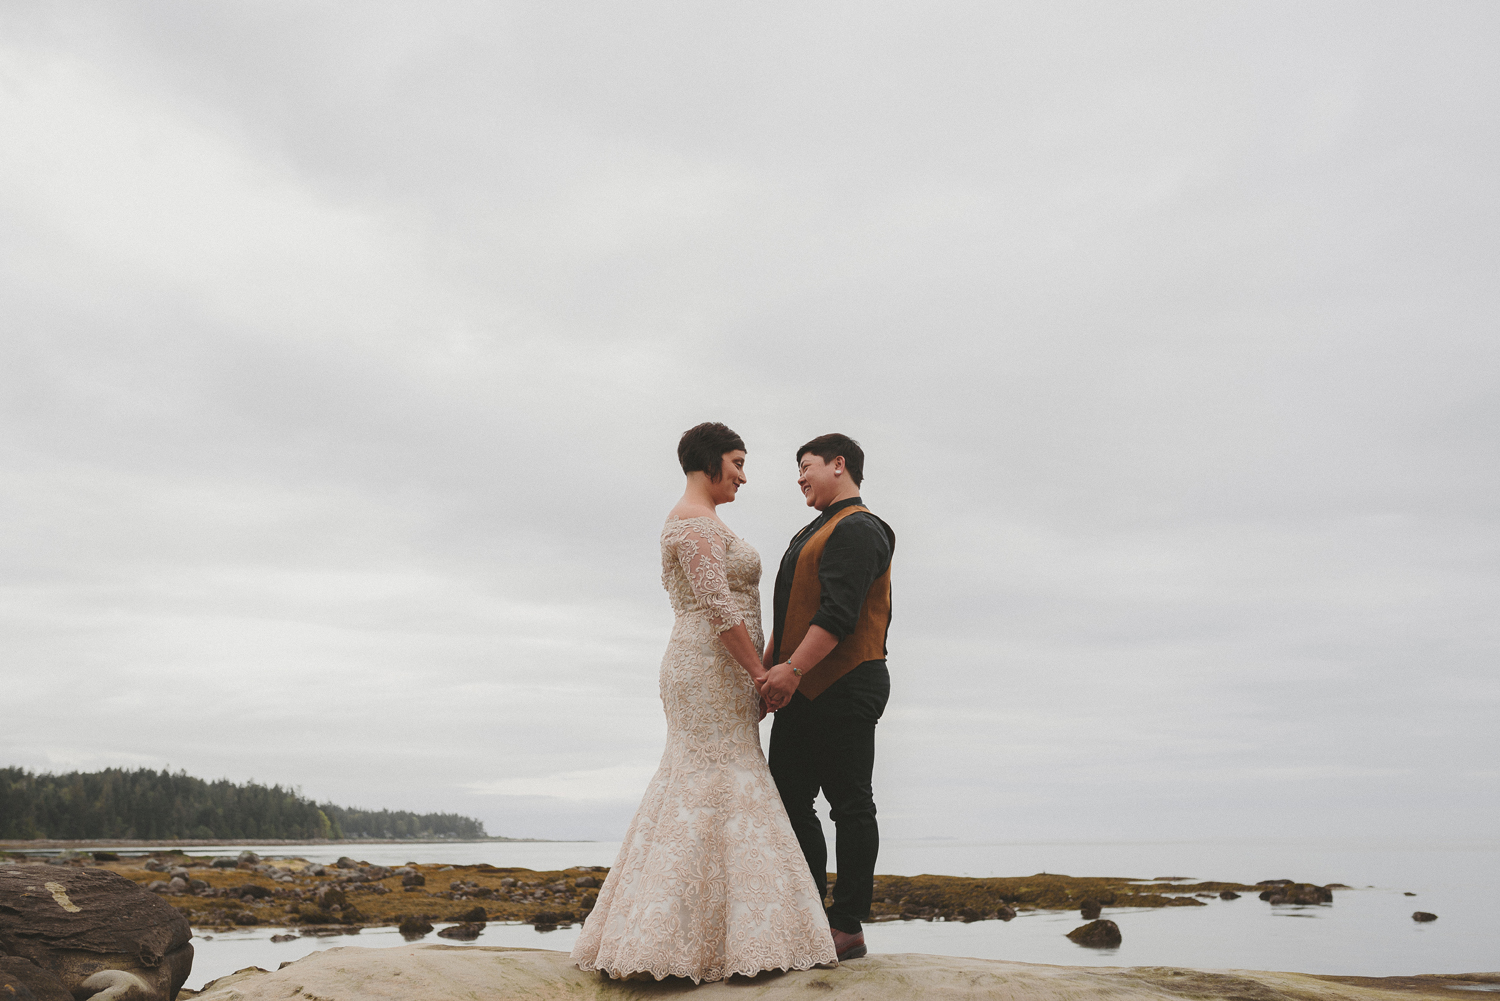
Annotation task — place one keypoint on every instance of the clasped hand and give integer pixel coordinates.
(777, 686)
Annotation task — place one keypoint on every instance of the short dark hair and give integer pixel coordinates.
(701, 449)
(830, 446)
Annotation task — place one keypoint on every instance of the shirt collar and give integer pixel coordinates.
(833, 509)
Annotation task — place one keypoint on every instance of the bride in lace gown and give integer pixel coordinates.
(710, 880)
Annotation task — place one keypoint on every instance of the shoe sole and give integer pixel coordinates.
(858, 952)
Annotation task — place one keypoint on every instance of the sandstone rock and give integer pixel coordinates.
(345, 862)
(78, 924)
(1103, 934)
(155, 865)
(177, 885)
(474, 915)
(283, 938)
(1229, 895)
(251, 890)
(441, 972)
(1423, 916)
(509, 882)
(224, 862)
(582, 882)
(414, 927)
(23, 980)
(106, 857)
(249, 857)
(466, 932)
(246, 918)
(1006, 912)
(1089, 909)
(413, 879)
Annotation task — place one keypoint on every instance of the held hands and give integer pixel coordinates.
(778, 686)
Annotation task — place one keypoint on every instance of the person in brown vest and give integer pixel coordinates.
(827, 679)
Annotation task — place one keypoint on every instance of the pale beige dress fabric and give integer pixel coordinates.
(710, 880)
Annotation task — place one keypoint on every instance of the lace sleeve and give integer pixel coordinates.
(702, 554)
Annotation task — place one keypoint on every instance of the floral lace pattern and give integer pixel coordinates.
(710, 880)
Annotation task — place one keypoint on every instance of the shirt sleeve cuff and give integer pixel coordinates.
(826, 621)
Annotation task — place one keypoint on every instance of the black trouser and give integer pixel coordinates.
(828, 744)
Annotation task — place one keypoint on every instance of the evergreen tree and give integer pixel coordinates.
(150, 805)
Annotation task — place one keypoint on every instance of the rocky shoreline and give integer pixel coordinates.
(223, 893)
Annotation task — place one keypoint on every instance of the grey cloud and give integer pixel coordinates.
(345, 352)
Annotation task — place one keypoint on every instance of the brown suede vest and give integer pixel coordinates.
(867, 642)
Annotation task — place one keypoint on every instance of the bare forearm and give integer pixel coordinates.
(782, 680)
(817, 644)
(736, 640)
(765, 659)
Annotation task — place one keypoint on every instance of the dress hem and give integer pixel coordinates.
(622, 974)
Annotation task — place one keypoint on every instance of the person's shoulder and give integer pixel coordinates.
(695, 521)
(865, 524)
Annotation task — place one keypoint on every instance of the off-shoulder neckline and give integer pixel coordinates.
(704, 517)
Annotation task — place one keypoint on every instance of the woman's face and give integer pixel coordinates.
(731, 477)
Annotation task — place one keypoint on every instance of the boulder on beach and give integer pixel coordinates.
(24, 980)
(1089, 909)
(1423, 916)
(1102, 934)
(92, 930)
(1229, 895)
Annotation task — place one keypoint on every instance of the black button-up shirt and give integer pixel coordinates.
(858, 551)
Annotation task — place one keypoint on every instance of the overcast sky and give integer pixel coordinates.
(344, 349)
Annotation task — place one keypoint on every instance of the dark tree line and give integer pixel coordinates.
(401, 824)
(150, 805)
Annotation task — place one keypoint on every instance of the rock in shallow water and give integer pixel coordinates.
(414, 927)
(1423, 916)
(466, 932)
(1102, 934)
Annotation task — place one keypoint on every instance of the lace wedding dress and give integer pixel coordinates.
(710, 880)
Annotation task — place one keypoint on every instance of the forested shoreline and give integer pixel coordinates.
(151, 805)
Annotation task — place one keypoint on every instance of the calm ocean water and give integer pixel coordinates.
(1367, 931)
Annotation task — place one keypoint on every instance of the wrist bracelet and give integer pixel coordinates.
(795, 670)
